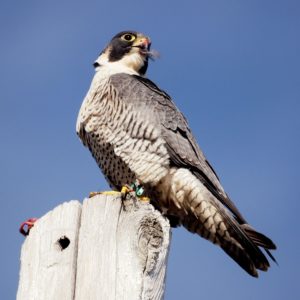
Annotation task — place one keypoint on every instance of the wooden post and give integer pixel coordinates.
(103, 249)
(48, 267)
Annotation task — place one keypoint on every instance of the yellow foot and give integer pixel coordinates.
(124, 192)
(92, 194)
(126, 189)
(144, 199)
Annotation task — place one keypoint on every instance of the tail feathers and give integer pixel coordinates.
(240, 241)
(240, 256)
(244, 251)
(271, 256)
(243, 247)
(238, 245)
(260, 240)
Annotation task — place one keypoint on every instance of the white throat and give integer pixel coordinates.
(129, 64)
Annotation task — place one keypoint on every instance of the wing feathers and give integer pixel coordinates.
(185, 153)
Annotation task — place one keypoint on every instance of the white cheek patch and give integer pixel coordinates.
(102, 60)
(131, 63)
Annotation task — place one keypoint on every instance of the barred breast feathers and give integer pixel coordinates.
(97, 89)
(135, 136)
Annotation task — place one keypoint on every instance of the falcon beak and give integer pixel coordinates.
(143, 43)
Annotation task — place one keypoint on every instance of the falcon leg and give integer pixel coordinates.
(135, 188)
(138, 190)
(126, 190)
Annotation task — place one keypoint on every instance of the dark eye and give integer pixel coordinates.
(128, 37)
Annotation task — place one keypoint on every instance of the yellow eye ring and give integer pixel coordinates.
(128, 37)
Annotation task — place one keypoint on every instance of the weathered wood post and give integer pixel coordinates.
(103, 249)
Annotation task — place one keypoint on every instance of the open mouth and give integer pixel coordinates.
(144, 49)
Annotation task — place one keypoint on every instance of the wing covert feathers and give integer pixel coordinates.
(180, 142)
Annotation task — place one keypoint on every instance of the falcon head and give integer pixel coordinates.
(128, 49)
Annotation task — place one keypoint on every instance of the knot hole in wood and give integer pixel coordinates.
(63, 243)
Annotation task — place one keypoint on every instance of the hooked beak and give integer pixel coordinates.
(143, 43)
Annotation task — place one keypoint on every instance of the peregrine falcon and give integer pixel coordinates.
(135, 132)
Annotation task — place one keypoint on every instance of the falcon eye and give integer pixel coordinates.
(128, 37)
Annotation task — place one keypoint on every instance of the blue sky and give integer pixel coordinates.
(231, 66)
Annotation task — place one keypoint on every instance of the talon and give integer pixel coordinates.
(92, 194)
(125, 190)
(144, 199)
(135, 188)
(138, 190)
(29, 224)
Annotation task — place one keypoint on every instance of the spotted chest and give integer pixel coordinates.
(124, 141)
(115, 170)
